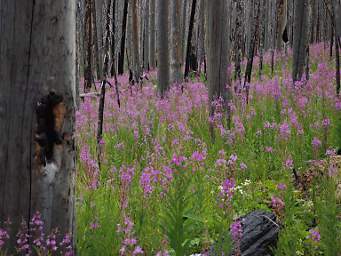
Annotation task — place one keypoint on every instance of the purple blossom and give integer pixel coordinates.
(3, 237)
(268, 149)
(178, 160)
(236, 230)
(138, 250)
(289, 163)
(326, 122)
(220, 162)
(330, 152)
(198, 156)
(277, 203)
(281, 186)
(314, 235)
(232, 160)
(227, 189)
(316, 143)
(243, 166)
(284, 130)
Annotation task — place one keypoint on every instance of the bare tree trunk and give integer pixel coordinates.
(184, 26)
(263, 8)
(238, 39)
(163, 47)
(216, 22)
(201, 36)
(88, 47)
(152, 34)
(300, 38)
(37, 112)
(281, 27)
(146, 38)
(96, 49)
(190, 59)
(135, 42)
(251, 50)
(176, 39)
(120, 68)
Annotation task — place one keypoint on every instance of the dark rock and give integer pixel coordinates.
(260, 234)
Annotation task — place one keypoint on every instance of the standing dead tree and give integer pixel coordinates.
(300, 39)
(190, 58)
(37, 114)
(163, 47)
(217, 47)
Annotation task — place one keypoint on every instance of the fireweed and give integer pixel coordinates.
(153, 143)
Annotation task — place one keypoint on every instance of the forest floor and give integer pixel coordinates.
(166, 188)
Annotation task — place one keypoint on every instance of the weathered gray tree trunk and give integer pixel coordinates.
(176, 42)
(190, 62)
(300, 38)
(282, 6)
(96, 46)
(201, 36)
(216, 22)
(152, 34)
(163, 47)
(146, 38)
(121, 54)
(135, 42)
(184, 26)
(37, 99)
(88, 77)
(238, 39)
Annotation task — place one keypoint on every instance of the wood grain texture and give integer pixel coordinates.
(37, 56)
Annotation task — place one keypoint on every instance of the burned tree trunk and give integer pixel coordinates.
(190, 58)
(37, 112)
(217, 47)
(300, 39)
(135, 43)
(88, 47)
(176, 39)
(281, 28)
(163, 49)
(146, 38)
(152, 62)
(120, 68)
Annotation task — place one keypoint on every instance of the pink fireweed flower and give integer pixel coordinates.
(332, 170)
(314, 235)
(178, 160)
(227, 189)
(23, 246)
(289, 163)
(232, 160)
(302, 102)
(220, 162)
(236, 231)
(51, 242)
(198, 156)
(331, 152)
(243, 166)
(326, 122)
(281, 186)
(268, 149)
(284, 130)
(238, 125)
(316, 143)
(94, 225)
(338, 105)
(277, 203)
(127, 174)
(138, 250)
(3, 237)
